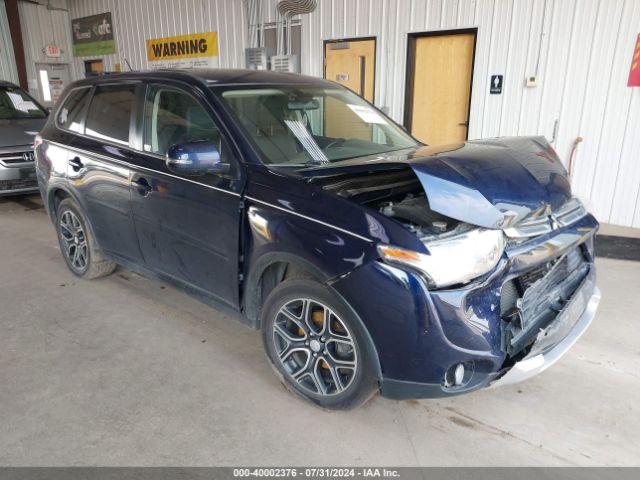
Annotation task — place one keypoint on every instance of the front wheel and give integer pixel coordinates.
(318, 346)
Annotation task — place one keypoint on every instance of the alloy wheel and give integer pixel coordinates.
(315, 347)
(74, 241)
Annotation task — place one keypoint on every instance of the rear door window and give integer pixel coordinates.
(110, 113)
(70, 115)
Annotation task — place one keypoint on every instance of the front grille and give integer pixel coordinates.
(530, 302)
(10, 159)
(570, 212)
(8, 185)
(567, 264)
(529, 278)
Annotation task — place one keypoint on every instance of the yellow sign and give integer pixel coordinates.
(183, 46)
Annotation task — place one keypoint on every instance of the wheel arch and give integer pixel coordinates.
(58, 193)
(267, 272)
(280, 266)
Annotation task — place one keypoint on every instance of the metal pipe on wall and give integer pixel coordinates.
(286, 10)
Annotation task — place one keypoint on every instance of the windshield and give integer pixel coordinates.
(16, 103)
(292, 125)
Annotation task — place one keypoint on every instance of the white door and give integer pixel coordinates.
(52, 80)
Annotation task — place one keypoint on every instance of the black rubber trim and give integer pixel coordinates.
(404, 390)
(621, 248)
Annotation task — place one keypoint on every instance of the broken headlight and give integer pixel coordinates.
(452, 260)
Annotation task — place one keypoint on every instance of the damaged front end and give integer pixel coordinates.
(505, 253)
(455, 252)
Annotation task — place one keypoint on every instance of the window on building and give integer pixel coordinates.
(270, 38)
(110, 113)
(93, 68)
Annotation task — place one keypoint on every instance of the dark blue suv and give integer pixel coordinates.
(371, 262)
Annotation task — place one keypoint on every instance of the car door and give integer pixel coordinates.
(98, 165)
(187, 226)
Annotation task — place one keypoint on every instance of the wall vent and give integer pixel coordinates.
(257, 58)
(285, 63)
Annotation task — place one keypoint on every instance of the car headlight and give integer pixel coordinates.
(453, 260)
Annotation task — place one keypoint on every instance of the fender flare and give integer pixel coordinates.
(250, 297)
(250, 293)
(50, 199)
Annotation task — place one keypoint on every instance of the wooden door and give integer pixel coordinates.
(439, 87)
(350, 63)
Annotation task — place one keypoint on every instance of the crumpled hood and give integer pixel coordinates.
(490, 183)
(22, 131)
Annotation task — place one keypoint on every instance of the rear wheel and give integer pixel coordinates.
(317, 345)
(79, 250)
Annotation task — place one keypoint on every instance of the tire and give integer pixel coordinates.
(317, 345)
(77, 245)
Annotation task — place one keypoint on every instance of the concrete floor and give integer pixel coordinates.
(128, 371)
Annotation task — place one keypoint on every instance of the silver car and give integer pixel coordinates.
(21, 118)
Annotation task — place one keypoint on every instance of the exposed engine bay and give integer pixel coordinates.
(399, 195)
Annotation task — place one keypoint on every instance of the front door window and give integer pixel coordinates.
(173, 117)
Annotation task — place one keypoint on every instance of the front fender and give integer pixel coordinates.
(276, 236)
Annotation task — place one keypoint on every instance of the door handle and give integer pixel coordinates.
(142, 185)
(464, 124)
(76, 164)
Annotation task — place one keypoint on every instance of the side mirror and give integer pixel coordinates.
(196, 158)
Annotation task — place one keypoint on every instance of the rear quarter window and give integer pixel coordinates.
(70, 114)
(110, 112)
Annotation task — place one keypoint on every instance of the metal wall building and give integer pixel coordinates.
(580, 49)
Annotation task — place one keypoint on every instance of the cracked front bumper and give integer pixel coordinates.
(420, 335)
(554, 341)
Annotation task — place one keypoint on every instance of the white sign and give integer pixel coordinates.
(20, 104)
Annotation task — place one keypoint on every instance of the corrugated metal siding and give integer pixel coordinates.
(581, 49)
(137, 21)
(7, 60)
(41, 26)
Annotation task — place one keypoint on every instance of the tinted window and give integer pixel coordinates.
(109, 113)
(70, 115)
(16, 103)
(174, 117)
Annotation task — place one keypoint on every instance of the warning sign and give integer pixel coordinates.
(634, 74)
(199, 50)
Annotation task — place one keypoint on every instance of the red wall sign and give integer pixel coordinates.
(51, 50)
(634, 74)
